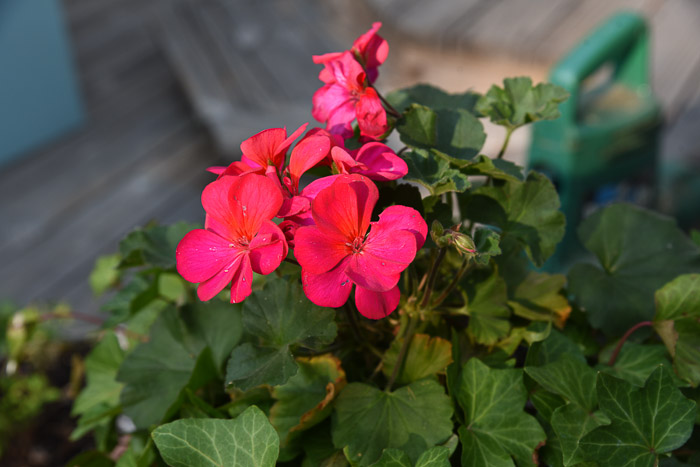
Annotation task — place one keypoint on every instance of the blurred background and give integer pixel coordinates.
(112, 109)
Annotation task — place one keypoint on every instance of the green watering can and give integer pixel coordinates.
(604, 146)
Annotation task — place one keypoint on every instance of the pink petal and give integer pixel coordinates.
(216, 203)
(330, 289)
(209, 288)
(388, 250)
(405, 218)
(315, 187)
(268, 249)
(241, 284)
(372, 47)
(294, 206)
(376, 305)
(309, 152)
(216, 170)
(381, 162)
(284, 145)
(261, 148)
(253, 200)
(319, 252)
(365, 274)
(371, 116)
(333, 99)
(345, 163)
(201, 254)
(345, 208)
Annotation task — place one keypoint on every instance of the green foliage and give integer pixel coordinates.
(526, 212)
(425, 357)
(487, 309)
(676, 321)
(105, 274)
(619, 291)
(518, 102)
(247, 441)
(496, 429)
(153, 246)
(186, 349)
(277, 319)
(434, 173)
(644, 422)
(412, 418)
(433, 97)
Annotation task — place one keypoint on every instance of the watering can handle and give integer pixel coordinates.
(622, 41)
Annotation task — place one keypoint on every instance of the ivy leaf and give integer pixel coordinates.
(500, 169)
(100, 396)
(636, 362)
(433, 97)
(247, 441)
(456, 134)
(496, 427)
(645, 422)
(434, 173)
(277, 318)
(305, 400)
(572, 422)
(568, 377)
(186, 348)
(368, 420)
(525, 211)
(153, 246)
(438, 456)
(425, 357)
(539, 298)
(518, 102)
(486, 306)
(551, 349)
(393, 458)
(618, 292)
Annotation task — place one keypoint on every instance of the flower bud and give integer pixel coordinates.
(464, 243)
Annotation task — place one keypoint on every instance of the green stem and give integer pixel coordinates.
(413, 321)
(353, 323)
(624, 338)
(445, 293)
(432, 277)
(509, 131)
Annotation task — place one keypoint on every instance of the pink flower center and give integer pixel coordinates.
(356, 245)
(241, 242)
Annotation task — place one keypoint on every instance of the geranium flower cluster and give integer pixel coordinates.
(327, 224)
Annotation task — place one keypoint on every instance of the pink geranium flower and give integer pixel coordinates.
(375, 160)
(346, 96)
(238, 237)
(337, 251)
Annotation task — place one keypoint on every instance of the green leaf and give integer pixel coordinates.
(277, 317)
(539, 298)
(434, 173)
(134, 297)
(305, 400)
(153, 246)
(186, 348)
(636, 362)
(438, 456)
(551, 349)
(500, 169)
(676, 321)
(568, 377)
(527, 212)
(105, 274)
(247, 441)
(571, 423)
(487, 244)
(280, 315)
(368, 420)
(645, 422)
(486, 306)
(433, 97)
(619, 292)
(426, 356)
(496, 427)
(100, 396)
(519, 103)
(456, 134)
(393, 458)
(679, 299)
